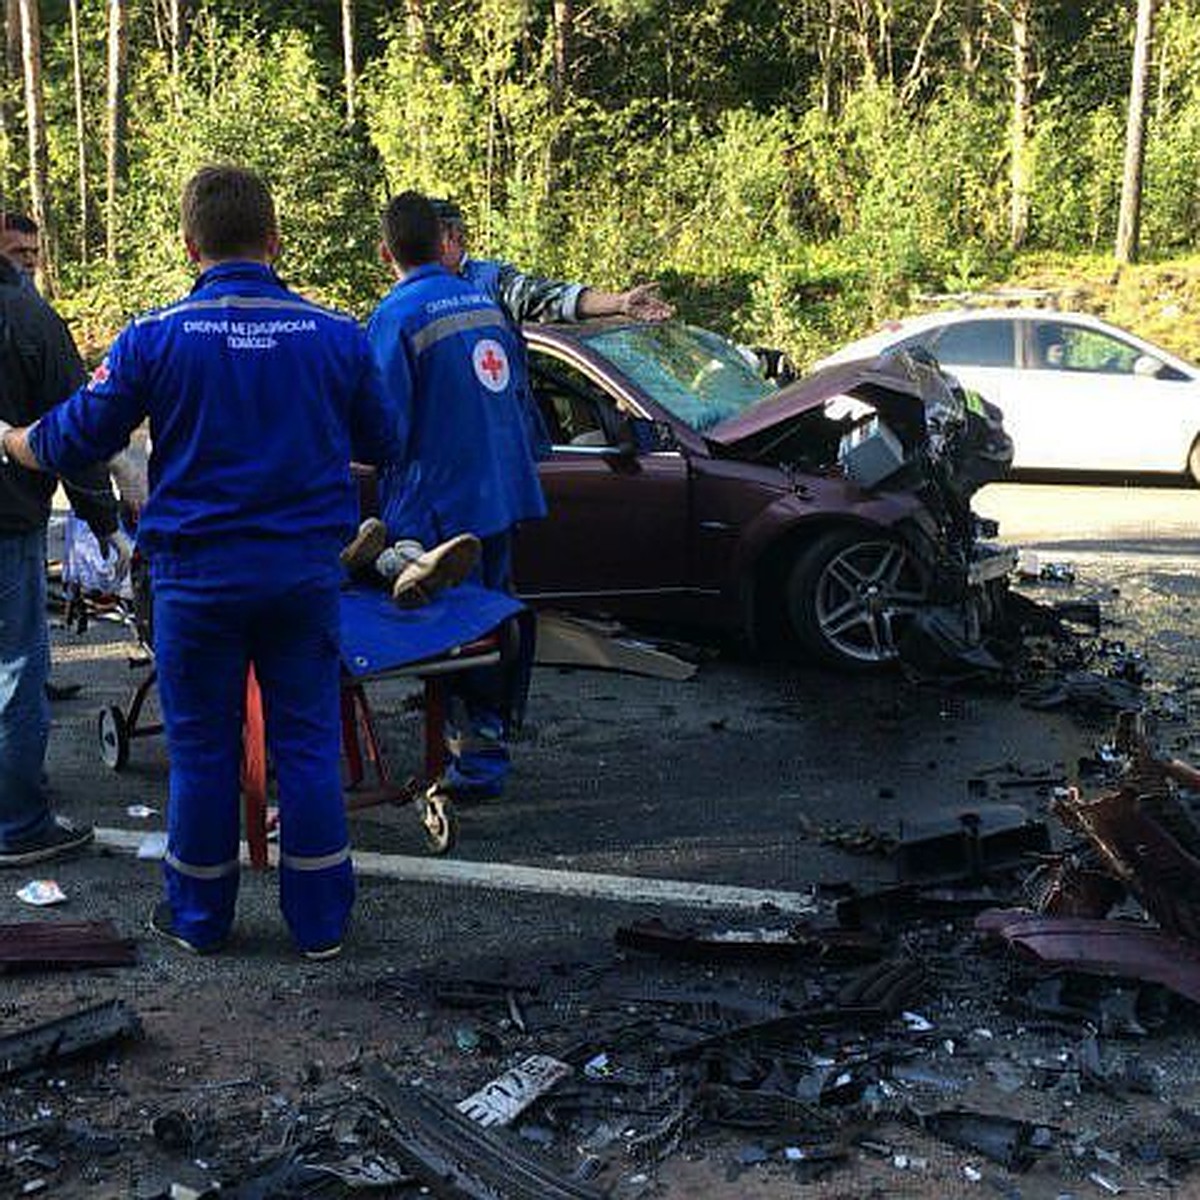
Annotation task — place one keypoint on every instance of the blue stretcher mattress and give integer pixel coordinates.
(379, 636)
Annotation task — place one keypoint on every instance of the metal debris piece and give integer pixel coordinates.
(508, 1095)
(787, 944)
(80, 1033)
(1149, 843)
(969, 845)
(1119, 948)
(455, 1157)
(63, 944)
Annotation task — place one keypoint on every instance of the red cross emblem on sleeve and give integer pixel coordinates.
(491, 364)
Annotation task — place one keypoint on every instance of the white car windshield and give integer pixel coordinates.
(694, 374)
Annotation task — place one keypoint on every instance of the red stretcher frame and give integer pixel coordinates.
(360, 739)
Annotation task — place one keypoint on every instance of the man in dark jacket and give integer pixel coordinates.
(39, 366)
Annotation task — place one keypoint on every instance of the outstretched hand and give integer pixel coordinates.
(643, 303)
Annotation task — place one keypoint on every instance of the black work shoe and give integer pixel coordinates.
(368, 544)
(162, 922)
(61, 839)
(322, 953)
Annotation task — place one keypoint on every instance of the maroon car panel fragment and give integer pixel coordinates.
(1123, 949)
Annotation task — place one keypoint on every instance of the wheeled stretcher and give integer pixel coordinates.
(461, 629)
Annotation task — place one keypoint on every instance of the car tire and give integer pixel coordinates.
(1193, 463)
(849, 594)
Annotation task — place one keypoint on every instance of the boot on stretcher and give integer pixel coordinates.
(358, 557)
(445, 566)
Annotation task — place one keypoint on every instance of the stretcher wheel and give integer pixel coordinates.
(439, 821)
(114, 737)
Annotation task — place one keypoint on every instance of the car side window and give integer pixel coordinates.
(974, 344)
(1066, 347)
(577, 411)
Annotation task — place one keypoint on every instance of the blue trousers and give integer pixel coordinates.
(484, 703)
(24, 668)
(212, 618)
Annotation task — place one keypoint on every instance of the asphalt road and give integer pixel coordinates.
(1096, 518)
(745, 777)
(729, 778)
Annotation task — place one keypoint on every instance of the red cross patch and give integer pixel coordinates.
(491, 364)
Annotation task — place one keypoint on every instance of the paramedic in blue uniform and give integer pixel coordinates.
(257, 400)
(451, 366)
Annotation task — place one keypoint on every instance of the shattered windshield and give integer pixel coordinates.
(696, 375)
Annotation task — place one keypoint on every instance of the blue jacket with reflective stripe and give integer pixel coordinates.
(257, 400)
(452, 366)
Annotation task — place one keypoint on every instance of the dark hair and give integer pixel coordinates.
(228, 212)
(447, 211)
(410, 229)
(15, 222)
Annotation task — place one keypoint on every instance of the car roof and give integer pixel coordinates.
(900, 328)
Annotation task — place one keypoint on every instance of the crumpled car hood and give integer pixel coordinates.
(896, 386)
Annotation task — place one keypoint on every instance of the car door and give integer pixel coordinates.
(1097, 406)
(617, 526)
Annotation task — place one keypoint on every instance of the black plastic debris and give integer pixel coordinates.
(1086, 691)
(1012, 1143)
(942, 642)
(74, 1036)
(970, 845)
(893, 907)
(183, 1133)
(456, 1158)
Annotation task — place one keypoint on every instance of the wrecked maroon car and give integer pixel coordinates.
(830, 515)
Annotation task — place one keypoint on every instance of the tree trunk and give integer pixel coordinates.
(417, 27)
(969, 42)
(1129, 221)
(35, 127)
(175, 28)
(1022, 123)
(828, 41)
(80, 135)
(117, 53)
(10, 89)
(564, 25)
(349, 70)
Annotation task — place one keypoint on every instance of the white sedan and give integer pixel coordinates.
(1077, 393)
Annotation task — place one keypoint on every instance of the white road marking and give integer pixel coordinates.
(513, 877)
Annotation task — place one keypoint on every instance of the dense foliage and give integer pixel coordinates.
(792, 169)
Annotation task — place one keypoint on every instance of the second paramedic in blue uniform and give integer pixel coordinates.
(257, 400)
(452, 366)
